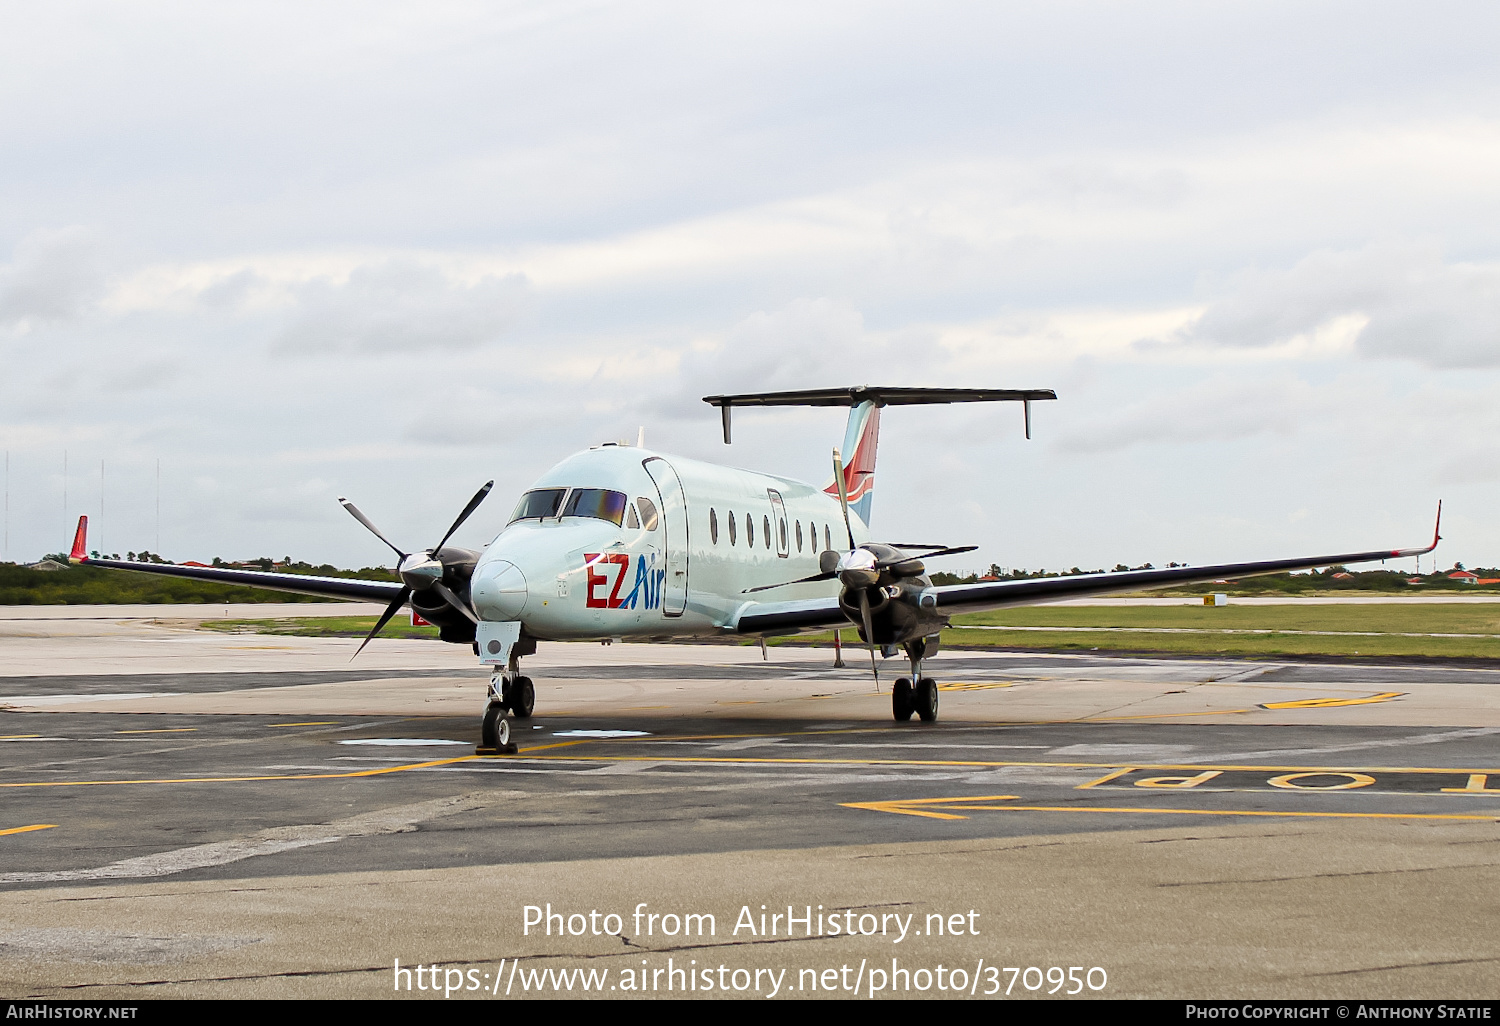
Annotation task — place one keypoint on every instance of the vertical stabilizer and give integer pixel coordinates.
(861, 438)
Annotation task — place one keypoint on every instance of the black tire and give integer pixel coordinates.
(522, 698)
(901, 706)
(494, 732)
(925, 698)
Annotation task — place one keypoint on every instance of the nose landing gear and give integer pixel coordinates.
(508, 692)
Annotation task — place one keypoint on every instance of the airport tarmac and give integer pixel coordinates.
(189, 813)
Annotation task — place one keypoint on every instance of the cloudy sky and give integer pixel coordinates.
(391, 251)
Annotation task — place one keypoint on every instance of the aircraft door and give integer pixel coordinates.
(778, 524)
(675, 530)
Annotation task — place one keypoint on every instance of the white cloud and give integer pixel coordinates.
(401, 306)
(1405, 301)
(53, 276)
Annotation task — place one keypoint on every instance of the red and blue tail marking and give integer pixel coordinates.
(860, 441)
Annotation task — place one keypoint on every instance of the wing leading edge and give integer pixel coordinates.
(813, 614)
(299, 584)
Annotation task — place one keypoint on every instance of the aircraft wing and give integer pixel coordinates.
(300, 584)
(952, 599)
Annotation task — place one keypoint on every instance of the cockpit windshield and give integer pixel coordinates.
(600, 503)
(539, 502)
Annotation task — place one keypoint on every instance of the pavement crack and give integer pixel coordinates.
(1328, 876)
(1399, 965)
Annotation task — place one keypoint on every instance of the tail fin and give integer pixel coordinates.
(861, 438)
(80, 542)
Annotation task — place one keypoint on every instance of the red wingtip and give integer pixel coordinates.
(80, 542)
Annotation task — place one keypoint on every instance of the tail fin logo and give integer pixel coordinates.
(861, 440)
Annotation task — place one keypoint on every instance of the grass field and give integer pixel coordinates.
(322, 627)
(1456, 630)
(1291, 629)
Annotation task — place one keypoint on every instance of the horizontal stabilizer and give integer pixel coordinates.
(880, 396)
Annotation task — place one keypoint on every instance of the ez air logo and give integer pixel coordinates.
(604, 588)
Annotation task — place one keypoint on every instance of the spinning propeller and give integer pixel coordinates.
(860, 569)
(419, 571)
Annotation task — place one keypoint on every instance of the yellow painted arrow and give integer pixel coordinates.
(1328, 703)
(924, 806)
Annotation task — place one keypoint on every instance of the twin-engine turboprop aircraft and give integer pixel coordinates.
(621, 542)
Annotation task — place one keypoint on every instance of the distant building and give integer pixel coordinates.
(46, 564)
(1465, 576)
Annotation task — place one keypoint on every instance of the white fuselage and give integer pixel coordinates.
(683, 571)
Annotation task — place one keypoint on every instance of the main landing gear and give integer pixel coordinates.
(916, 694)
(509, 692)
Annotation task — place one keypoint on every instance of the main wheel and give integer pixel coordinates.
(925, 699)
(901, 706)
(494, 732)
(522, 698)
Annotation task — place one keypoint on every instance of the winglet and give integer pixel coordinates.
(1436, 537)
(80, 542)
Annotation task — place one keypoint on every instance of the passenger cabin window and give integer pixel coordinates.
(827, 539)
(749, 529)
(781, 529)
(732, 531)
(631, 520)
(765, 522)
(538, 503)
(648, 512)
(598, 503)
(799, 536)
(713, 526)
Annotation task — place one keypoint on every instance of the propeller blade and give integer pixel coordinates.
(838, 479)
(787, 584)
(453, 600)
(354, 512)
(385, 618)
(928, 555)
(864, 614)
(470, 508)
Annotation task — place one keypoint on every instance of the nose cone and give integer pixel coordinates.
(499, 591)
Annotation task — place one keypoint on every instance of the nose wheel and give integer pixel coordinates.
(494, 731)
(519, 696)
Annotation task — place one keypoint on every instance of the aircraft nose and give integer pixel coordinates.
(499, 591)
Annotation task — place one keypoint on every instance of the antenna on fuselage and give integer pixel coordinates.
(880, 397)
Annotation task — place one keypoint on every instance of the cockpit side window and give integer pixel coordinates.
(537, 503)
(599, 503)
(648, 512)
(631, 520)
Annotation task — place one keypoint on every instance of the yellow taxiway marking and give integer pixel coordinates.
(1113, 767)
(905, 808)
(159, 730)
(924, 806)
(280, 776)
(983, 685)
(311, 723)
(1476, 785)
(1329, 703)
(18, 737)
(28, 829)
